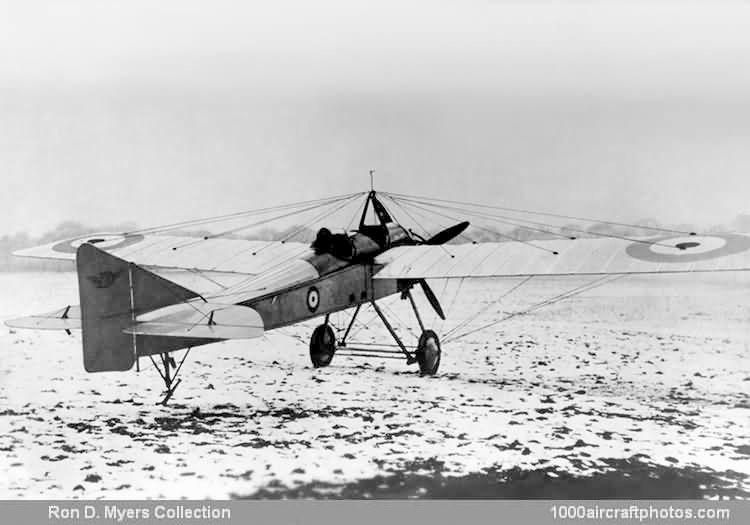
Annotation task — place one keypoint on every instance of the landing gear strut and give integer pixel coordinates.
(323, 344)
(410, 359)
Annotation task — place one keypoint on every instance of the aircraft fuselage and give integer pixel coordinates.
(320, 284)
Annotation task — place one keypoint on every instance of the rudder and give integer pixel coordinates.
(113, 291)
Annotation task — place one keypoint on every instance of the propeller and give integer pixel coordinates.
(440, 238)
(447, 234)
(432, 298)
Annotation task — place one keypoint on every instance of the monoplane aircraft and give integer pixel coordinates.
(134, 302)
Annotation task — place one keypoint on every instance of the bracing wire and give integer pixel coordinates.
(359, 325)
(463, 324)
(192, 241)
(278, 264)
(502, 219)
(596, 234)
(221, 218)
(364, 325)
(606, 279)
(258, 223)
(453, 301)
(560, 216)
(509, 237)
(353, 219)
(442, 293)
(427, 234)
(301, 228)
(439, 222)
(400, 321)
(406, 212)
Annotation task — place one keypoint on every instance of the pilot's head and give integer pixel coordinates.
(322, 242)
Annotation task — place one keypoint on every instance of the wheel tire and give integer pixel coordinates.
(322, 346)
(428, 353)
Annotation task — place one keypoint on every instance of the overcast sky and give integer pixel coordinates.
(160, 111)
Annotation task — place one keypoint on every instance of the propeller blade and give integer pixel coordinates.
(448, 234)
(432, 298)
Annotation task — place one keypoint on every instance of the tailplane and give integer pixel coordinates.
(127, 311)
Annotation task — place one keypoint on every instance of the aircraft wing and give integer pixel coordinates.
(172, 252)
(672, 254)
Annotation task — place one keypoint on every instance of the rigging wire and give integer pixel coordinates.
(394, 201)
(352, 220)
(440, 223)
(560, 216)
(273, 264)
(597, 234)
(427, 234)
(192, 241)
(257, 223)
(510, 237)
(442, 293)
(453, 301)
(359, 325)
(498, 217)
(373, 315)
(399, 320)
(606, 279)
(301, 228)
(220, 218)
(278, 264)
(463, 324)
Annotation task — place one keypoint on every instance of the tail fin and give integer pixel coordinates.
(113, 291)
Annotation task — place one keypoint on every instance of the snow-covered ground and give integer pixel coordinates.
(653, 369)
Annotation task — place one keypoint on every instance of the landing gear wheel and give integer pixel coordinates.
(322, 346)
(428, 353)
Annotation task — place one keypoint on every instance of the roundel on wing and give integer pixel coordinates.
(685, 249)
(106, 241)
(313, 299)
